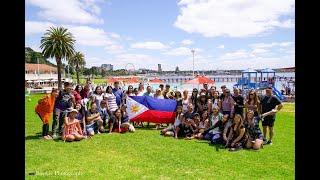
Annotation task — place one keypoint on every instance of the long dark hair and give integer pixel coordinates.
(255, 99)
(114, 113)
(77, 87)
(107, 90)
(178, 107)
(95, 91)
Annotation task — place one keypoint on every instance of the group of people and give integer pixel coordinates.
(82, 112)
(228, 119)
(224, 118)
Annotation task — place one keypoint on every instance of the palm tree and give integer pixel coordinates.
(77, 61)
(57, 42)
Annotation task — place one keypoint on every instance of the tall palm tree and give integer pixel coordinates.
(58, 43)
(77, 61)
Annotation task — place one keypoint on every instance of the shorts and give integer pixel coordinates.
(90, 128)
(268, 122)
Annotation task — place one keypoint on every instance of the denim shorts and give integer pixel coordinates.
(90, 128)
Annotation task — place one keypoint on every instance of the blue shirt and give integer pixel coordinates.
(119, 94)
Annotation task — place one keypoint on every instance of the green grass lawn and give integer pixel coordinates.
(147, 155)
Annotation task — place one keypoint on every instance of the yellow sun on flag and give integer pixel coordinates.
(134, 108)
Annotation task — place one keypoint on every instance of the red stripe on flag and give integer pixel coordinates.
(155, 117)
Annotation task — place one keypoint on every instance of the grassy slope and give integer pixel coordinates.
(146, 154)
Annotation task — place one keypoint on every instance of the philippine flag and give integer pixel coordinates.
(149, 109)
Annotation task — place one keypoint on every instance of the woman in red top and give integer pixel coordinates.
(76, 94)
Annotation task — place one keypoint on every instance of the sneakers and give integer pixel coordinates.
(269, 142)
(55, 136)
(265, 141)
(235, 149)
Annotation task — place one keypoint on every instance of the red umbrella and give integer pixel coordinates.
(156, 80)
(200, 80)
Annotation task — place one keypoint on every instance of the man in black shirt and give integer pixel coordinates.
(239, 104)
(270, 105)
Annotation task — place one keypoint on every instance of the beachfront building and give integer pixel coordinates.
(42, 75)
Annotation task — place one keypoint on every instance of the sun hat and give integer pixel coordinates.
(70, 110)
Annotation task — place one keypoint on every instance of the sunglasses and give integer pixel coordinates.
(251, 94)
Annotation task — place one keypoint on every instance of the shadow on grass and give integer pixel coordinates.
(36, 136)
(217, 146)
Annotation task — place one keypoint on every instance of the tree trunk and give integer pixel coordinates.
(59, 65)
(78, 80)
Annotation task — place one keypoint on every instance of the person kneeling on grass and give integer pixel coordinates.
(125, 119)
(118, 123)
(72, 129)
(44, 110)
(255, 137)
(93, 120)
(237, 137)
(172, 130)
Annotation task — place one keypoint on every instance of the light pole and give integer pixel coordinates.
(192, 50)
(38, 68)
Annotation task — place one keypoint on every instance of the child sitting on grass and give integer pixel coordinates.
(72, 130)
(44, 110)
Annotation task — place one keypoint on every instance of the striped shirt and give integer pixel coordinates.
(112, 103)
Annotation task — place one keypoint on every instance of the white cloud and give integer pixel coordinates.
(172, 42)
(35, 27)
(149, 45)
(221, 46)
(259, 51)
(95, 61)
(115, 35)
(68, 11)
(181, 51)
(234, 18)
(187, 42)
(89, 36)
(84, 35)
(114, 49)
(273, 44)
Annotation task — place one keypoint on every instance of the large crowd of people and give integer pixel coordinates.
(228, 118)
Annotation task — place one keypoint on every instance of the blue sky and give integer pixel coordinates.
(229, 34)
